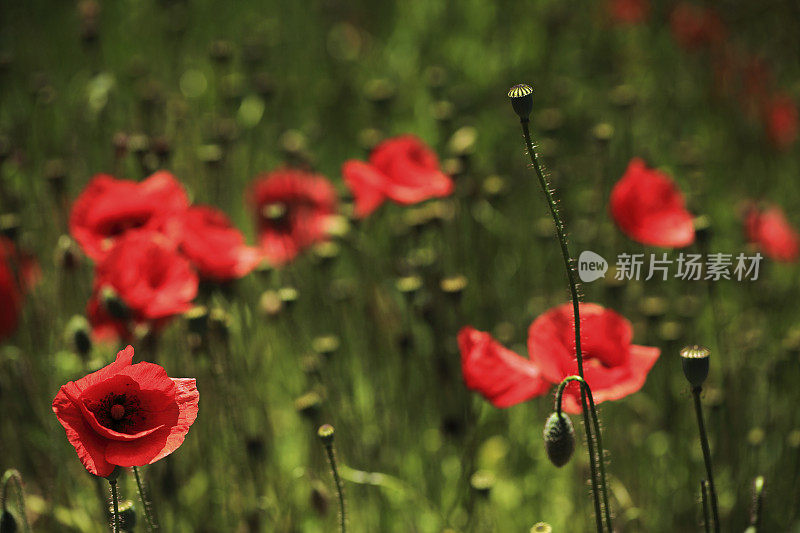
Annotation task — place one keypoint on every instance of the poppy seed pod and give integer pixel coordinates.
(559, 438)
(522, 100)
(694, 360)
(325, 434)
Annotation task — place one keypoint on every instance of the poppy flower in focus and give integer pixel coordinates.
(18, 273)
(125, 414)
(628, 11)
(648, 207)
(401, 169)
(770, 230)
(108, 207)
(781, 121)
(149, 279)
(292, 210)
(208, 239)
(501, 376)
(695, 27)
(612, 366)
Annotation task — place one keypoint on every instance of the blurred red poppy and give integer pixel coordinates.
(126, 414)
(781, 120)
(401, 169)
(770, 230)
(292, 209)
(150, 278)
(108, 207)
(628, 11)
(208, 239)
(501, 376)
(696, 27)
(18, 273)
(613, 367)
(648, 207)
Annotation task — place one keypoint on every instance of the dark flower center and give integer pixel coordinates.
(117, 411)
(120, 412)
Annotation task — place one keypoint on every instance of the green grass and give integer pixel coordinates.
(251, 462)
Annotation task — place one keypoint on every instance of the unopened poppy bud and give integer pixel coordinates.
(308, 404)
(482, 482)
(559, 438)
(288, 296)
(522, 100)
(454, 285)
(325, 434)
(78, 335)
(113, 304)
(8, 524)
(409, 285)
(694, 360)
(542, 527)
(127, 516)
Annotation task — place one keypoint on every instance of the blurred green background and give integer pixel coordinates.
(218, 92)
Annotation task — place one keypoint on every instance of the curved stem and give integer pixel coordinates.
(573, 289)
(115, 503)
(586, 393)
(148, 512)
(14, 476)
(706, 456)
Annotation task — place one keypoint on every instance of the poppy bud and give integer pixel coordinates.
(309, 404)
(522, 100)
(197, 319)
(559, 438)
(270, 303)
(694, 360)
(325, 434)
(454, 286)
(288, 296)
(379, 91)
(325, 345)
(113, 304)
(78, 335)
(542, 527)
(9, 226)
(8, 524)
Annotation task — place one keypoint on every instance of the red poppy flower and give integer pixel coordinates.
(612, 366)
(209, 240)
(109, 207)
(695, 27)
(148, 275)
(292, 209)
(126, 414)
(628, 11)
(401, 169)
(648, 207)
(18, 273)
(770, 230)
(781, 121)
(501, 376)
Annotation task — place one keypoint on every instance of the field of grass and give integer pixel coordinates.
(219, 92)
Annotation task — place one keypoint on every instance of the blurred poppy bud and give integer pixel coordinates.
(522, 100)
(113, 304)
(325, 434)
(542, 527)
(559, 438)
(694, 360)
(325, 345)
(482, 482)
(78, 334)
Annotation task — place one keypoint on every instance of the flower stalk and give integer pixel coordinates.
(152, 525)
(325, 434)
(13, 476)
(706, 456)
(522, 101)
(115, 505)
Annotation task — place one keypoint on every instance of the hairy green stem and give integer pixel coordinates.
(586, 393)
(339, 486)
(706, 456)
(573, 288)
(115, 503)
(152, 525)
(14, 476)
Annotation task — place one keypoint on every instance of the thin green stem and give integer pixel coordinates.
(152, 525)
(758, 503)
(704, 497)
(573, 288)
(339, 486)
(115, 503)
(586, 393)
(706, 456)
(14, 476)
